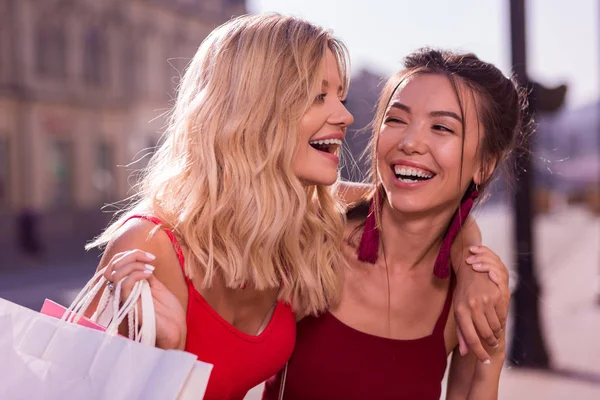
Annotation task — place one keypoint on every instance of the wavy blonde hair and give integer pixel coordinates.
(222, 178)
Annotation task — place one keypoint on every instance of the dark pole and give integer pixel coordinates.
(598, 116)
(528, 347)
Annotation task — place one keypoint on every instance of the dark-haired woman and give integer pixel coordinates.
(443, 127)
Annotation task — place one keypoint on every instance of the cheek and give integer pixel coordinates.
(450, 156)
(385, 143)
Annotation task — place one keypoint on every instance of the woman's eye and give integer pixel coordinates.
(320, 98)
(442, 128)
(394, 120)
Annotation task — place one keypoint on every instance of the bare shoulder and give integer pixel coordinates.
(140, 234)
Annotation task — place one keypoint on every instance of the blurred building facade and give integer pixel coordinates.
(362, 100)
(82, 83)
(82, 86)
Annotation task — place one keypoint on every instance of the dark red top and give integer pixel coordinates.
(335, 361)
(241, 361)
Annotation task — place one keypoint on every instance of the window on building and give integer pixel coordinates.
(61, 173)
(104, 172)
(4, 178)
(95, 61)
(51, 51)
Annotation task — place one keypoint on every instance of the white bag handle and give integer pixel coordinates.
(111, 313)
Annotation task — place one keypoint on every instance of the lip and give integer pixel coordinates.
(332, 156)
(337, 135)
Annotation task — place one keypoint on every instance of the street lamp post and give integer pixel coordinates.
(528, 347)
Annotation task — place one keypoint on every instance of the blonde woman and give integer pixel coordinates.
(234, 226)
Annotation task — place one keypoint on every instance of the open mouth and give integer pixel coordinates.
(411, 174)
(327, 146)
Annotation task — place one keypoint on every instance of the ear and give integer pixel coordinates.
(485, 170)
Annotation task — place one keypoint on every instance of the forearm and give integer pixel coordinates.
(470, 379)
(469, 236)
(486, 381)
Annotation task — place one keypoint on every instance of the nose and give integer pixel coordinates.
(413, 139)
(341, 116)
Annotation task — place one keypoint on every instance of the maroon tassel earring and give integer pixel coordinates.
(368, 250)
(441, 268)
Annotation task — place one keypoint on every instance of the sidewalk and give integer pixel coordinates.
(568, 263)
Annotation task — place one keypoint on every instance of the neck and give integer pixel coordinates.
(410, 240)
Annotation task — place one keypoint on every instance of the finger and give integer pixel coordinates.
(480, 267)
(481, 250)
(502, 310)
(498, 277)
(130, 280)
(463, 318)
(462, 344)
(484, 258)
(483, 328)
(119, 274)
(499, 272)
(494, 322)
(477, 249)
(125, 258)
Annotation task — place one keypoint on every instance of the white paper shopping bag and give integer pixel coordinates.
(45, 358)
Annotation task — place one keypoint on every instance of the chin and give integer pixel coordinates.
(320, 180)
(405, 203)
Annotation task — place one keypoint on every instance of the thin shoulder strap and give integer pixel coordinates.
(169, 233)
(441, 322)
(282, 383)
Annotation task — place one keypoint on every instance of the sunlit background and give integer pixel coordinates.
(84, 85)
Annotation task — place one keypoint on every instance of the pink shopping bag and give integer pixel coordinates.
(55, 310)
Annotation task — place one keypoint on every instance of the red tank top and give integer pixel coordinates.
(335, 361)
(241, 361)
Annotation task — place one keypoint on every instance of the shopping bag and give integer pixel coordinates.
(55, 310)
(48, 357)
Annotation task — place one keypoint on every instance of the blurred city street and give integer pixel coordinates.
(86, 86)
(568, 260)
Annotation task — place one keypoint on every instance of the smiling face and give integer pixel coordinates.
(322, 129)
(421, 145)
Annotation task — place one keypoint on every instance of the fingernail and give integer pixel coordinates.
(495, 346)
(149, 268)
(493, 275)
(112, 273)
(150, 256)
(471, 259)
(487, 362)
(473, 248)
(477, 266)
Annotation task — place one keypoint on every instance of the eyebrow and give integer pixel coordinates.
(325, 84)
(406, 108)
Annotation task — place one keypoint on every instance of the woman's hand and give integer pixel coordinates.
(481, 303)
(133, 266)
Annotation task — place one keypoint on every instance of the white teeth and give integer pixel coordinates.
(403, 171)
(327, 141)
